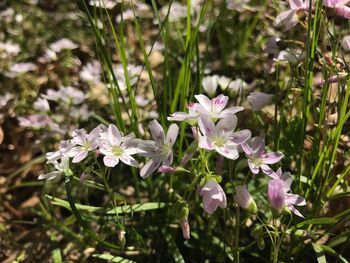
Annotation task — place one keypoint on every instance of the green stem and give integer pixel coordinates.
(80, 220)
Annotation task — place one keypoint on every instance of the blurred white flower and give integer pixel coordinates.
(210, 84)
(91, 72)
(133, 73)
(9, 48)
(237, 5)
(60, 167)
(41, 104)
(20, 68)
(62, 44)
(4, 99)
(259, 100)
(177, 11)
(109, 4)
(68, 95)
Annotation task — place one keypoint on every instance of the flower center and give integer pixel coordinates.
(219, 141)
(166, 149)
(87, 146)
(257, 161)
(117, 151)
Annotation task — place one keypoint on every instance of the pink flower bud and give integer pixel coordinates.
(276, 194)
(213, 196)
(185, 226)
(244, 199)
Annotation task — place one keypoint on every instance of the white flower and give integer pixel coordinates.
(85, 143)
(160, 150)
(210, 84)
(62, 44)
(61, 167)
(259, 100)
(115, 147)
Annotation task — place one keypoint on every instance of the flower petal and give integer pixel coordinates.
(204, 101)
(219, 103)
(287, 19)
(206, 125)
(205, 143)
(172, 134)
(147, 148)
(226, 125)
(241, 136)
(150, 167)
(271, 158)
(296, 4)
(295, 211)
(110, 160)
(157, 131)
(230, 111)
(230, 153)
(343, 11)
(79, 157)
(49, 176)
(114, 136)
(127, 159)
(294, 199)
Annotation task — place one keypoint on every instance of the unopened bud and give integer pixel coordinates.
(244, 199)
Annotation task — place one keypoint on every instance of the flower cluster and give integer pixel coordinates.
(214, 127)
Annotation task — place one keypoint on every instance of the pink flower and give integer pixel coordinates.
(221, 137)
(279, 195)
(340, 7)
(115, 147)
(259, 100)
(346, 43)
(244, 199)
(289, 18)
(160, 150)
(254, 149)
(213, 196)
(214, 108)
(85, 143)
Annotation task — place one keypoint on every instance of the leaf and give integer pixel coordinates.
(118, 210)
(318, 221)
(321, 258)
(334, 253)
(56, 256)
(178, 258)
(111, 258)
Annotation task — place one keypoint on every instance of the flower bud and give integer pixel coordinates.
(185, 226)
(276, 194)
(213, 196)
(244, 199)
